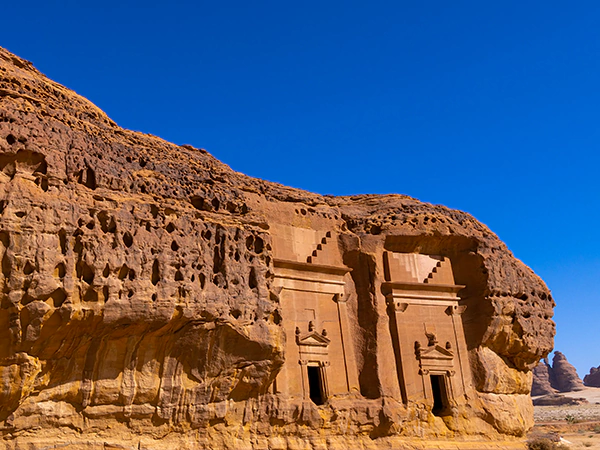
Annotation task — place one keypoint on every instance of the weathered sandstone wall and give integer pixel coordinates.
(138, 305)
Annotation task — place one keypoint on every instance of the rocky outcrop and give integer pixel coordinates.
(558, 400)
(564, 375)
(541, 379)
(592, 379)
(138, 307)
(561, 376)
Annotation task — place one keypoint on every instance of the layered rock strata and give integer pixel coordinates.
(151, 297)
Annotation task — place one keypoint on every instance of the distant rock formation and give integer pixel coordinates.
(564, 374)
(558, 400)
(541, 379)
(592, 379)
(561, 376)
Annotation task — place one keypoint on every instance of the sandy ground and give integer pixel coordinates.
(578, 425)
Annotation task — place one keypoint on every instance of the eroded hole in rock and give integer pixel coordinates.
(170, 227)
(174, 246)
(84, 272)
(107, 222)
(131, 275)
(20, 214)
(219, 280)
(178, 276)
(106, 271)
(123, 272)
(155, 273)
(276, 317)
(42, 168)
(42, 182)
(231, 207)
(58, 297)
(252, 282)
(60, 270)
(235, 313)
(217, 260)
(154, 297)
(202, 280)
(87, 177)
(198, 203)
(130, 293)
(6, 263)
(250, 242)
(127, 239)
(28, 269)
(62, 241)
(258, 245)
(11, 139)
(154, 211)
(90, 295)
(215, 204)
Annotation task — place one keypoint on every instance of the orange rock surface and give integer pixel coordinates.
(149, 297)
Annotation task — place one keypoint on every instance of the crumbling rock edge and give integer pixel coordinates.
(145, 286)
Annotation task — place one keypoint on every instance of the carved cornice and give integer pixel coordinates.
(390, 287)
(310, 267)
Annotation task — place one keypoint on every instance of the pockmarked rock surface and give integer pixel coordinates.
(151, 297)
(592, 379)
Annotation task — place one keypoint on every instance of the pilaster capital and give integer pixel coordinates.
(397, 305)
(340, 298)
(456, 310)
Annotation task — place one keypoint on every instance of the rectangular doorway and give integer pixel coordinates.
(315, 385)
(440, 395)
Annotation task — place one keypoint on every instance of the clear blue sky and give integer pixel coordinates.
(488, 107)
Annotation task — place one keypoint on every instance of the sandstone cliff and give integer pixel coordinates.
(139, 308)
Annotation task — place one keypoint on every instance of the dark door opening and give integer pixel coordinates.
(440, 399)
(315, 385)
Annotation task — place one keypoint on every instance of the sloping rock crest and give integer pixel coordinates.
(592, 379)
(154, 298)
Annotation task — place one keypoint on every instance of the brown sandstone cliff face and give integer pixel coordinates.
(138, 301)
